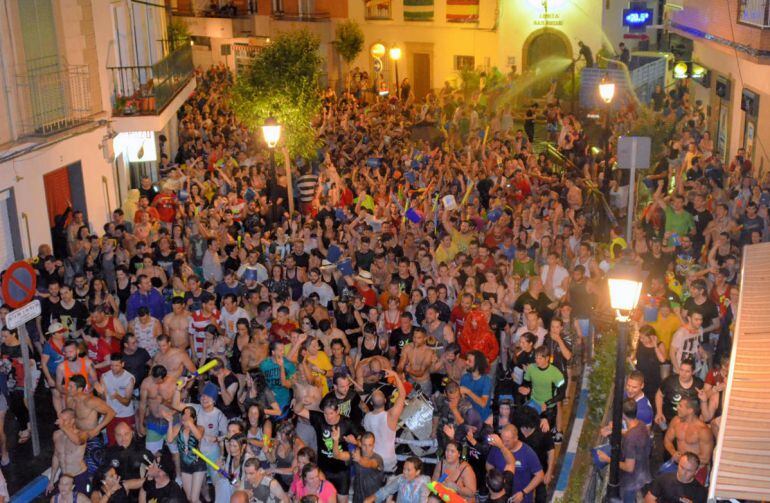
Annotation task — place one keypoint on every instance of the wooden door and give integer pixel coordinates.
(421, 72)
(57, 192)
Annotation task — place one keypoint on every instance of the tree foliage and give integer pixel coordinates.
(178, 33)
(282, 82)
(349, 41)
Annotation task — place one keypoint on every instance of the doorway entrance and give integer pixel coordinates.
(421, 72)
(64, 187)
(546, 53)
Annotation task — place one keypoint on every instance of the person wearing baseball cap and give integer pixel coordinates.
(52, 356)
(214, 423)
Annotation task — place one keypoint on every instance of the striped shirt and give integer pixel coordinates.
(306, 185)
(198, 323)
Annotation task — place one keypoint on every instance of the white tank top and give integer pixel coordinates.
(119, 384)
(384, 438)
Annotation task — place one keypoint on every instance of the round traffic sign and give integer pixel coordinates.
(19, 283)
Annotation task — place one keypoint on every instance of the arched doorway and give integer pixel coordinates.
(546, 53)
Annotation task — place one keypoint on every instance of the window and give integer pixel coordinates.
(378, 9)
(754, 12)
(465, 62)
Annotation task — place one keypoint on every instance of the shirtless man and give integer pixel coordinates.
(255, 351)
(369, 372)
(69, 444)
(158, 394)
(87, 409)
(176, 324)
(417, 359)
(174, 359)
(687, 433)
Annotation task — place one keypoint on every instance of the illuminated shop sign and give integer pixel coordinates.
(637, 17)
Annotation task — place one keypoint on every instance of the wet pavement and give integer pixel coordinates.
(24, 466)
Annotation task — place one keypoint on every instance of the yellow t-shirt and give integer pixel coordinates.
(665, 328)
(321, 360)
(461, 242)
(444, 254)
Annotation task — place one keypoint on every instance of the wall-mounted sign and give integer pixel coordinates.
(139, 146)
(637, 17)
(549, 19)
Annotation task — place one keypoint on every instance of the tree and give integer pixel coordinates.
(349, 41)
(282, 82)
(178, 33)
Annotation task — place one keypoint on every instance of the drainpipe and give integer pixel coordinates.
(4, 72)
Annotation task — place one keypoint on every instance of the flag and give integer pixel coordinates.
(462, 11)
(418, 10)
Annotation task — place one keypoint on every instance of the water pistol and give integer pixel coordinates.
(230, 477)
(201, 370)
(444, 493)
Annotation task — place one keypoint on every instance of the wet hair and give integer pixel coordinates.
(158, 371)
(629, 408)
(480, 362)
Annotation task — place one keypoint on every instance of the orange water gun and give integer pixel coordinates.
(444, 493)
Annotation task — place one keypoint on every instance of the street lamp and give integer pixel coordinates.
(607, 93)
(607, 90)
(271, 131)
(625, 284)
(395, 55)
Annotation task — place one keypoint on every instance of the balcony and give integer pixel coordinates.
(53, 97)
(301, 10)
(147, 90)
(216, 8)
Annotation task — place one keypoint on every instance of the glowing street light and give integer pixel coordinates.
(625, 283)
(395, 55)
(607, 90)
(378, 50)
(271, 131)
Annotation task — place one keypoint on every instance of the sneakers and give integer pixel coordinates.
(558, 437)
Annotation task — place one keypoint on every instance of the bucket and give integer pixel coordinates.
(333, 253)
(449, 202)
(345, 267)
(413, 215)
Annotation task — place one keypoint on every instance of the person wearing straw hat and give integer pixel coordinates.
(363, 284)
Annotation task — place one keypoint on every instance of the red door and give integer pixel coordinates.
(57, 192)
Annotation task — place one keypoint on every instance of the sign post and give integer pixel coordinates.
(633, 154)
(18, 319)
(18, 289)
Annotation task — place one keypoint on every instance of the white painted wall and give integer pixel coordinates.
(752, 76)
(30, 192)
(444, 40)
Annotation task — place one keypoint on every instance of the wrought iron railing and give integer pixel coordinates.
(146, 90)
(53, 96)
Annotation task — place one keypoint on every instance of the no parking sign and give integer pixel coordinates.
(19, 283)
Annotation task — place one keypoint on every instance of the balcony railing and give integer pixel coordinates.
(298, 10)
(146, 90)
(53, 97)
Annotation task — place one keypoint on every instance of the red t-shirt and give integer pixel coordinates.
(369, 295)
(165, 204)
(457, 318)
(287, 327)
(99, 353)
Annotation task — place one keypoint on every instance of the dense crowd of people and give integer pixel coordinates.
(419, 317)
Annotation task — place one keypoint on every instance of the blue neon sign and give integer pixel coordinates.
(636, 18)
